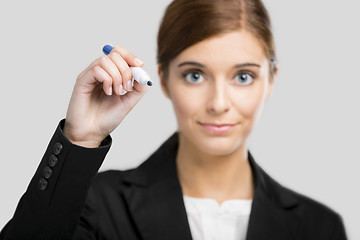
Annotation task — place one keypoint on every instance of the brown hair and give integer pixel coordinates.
(187, 22)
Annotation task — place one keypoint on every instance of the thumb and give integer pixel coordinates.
(140, 88)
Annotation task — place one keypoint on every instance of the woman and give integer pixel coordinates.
(217, 66)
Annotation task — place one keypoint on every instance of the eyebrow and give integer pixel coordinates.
(192, 63)
(236, 66)
(247, 65)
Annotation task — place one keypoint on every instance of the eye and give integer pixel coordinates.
(244, 78)
(194, 77)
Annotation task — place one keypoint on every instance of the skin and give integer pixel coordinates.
(223, 80)
(98, 105)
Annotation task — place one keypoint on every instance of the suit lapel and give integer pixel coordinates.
(155, 201)
(154, 196)
(267, 221)
(271, 216)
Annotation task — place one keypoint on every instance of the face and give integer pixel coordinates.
(218, 88)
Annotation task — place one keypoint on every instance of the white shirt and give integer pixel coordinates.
(210, 221)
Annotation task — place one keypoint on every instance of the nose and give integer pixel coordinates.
(219, 99)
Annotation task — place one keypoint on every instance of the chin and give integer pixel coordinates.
(217, 146)
(220, 147)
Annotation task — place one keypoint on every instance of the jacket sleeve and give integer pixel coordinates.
(51, 206)
(339, 232)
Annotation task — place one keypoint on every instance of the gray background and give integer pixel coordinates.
(308, 135)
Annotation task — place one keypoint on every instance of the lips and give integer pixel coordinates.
(216, 128)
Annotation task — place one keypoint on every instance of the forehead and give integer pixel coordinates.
(228, 48)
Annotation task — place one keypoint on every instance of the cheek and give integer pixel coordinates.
(250, 102)
(186, 104)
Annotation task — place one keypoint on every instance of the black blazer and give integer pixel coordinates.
(146, 202)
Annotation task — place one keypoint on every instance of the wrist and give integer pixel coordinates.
(87, 142)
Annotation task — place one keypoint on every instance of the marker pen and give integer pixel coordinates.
(138, 73)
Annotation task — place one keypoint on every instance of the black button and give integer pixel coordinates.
(47, 172)
(57, 148)
(43, 183)
(52, 160)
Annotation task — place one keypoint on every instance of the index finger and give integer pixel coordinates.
(130, 58)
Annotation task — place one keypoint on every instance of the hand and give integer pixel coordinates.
(98, 104)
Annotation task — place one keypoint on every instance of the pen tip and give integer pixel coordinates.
(149, 83)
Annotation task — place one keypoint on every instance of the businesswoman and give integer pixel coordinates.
(217, 65)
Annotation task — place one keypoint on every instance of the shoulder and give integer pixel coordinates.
(286, 198)
(309, 216)
(319, 218)
(311, 208)
(313, 215)
(314, 207)
(291, 198)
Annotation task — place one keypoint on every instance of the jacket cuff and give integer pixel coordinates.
(54, 199)
(66, 166)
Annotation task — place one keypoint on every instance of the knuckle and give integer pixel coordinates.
(103, 60)
(127, 74)
(122, 51)
(118, 49)
(118, 78)
(95, 69)
(113, 72)
(125, 70)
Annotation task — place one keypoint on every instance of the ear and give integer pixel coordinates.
(272, 81)
(163, 82)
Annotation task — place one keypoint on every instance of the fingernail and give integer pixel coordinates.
(129, 85)
(138, 61)
(110, 91)
(122, 91)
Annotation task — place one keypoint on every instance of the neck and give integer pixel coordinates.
(220, 177)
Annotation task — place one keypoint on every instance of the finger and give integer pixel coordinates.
(140, 88)
(124, 70)
(130, 58)
(109, 66)
(89, 67)
(102, 76)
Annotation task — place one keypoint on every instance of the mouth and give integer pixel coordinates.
(217, 128)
